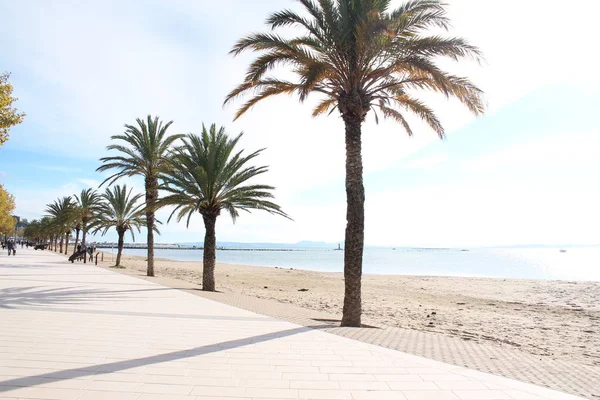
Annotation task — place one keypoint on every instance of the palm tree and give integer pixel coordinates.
(207, 176)
(62, 211)
(76, 220)
(144, 152)
(89, 203)
(359, 56)
(121, 211)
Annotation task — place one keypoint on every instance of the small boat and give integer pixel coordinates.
(563, 251)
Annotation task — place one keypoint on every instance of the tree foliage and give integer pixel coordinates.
(207, 175)
(9, 116)
(7, 205)
(360, 56)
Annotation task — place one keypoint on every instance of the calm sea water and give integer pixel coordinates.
(527, 263)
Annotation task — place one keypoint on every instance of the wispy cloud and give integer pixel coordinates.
(92, 183)
(56, 168)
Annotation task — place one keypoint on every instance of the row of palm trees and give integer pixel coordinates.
(360, 57)
(202, 174)
(89, 212)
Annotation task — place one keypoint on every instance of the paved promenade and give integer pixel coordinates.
(80, 332)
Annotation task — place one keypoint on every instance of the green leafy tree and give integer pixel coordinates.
(9, 116)
(144, 149)
(208, 175)
(7, 206)
(359, 56)
(89, 203)
(122, 211)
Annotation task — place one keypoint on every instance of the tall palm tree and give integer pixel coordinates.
(77, 225)
(122, 211)
(143, 151)
(207, 175)
(359, 56)
(62, 211)
(89, 203)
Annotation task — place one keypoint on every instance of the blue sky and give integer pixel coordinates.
(526, 172)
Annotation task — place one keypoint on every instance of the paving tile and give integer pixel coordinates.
(314, 385)
(105, 395)
(41, 393)
(349, 385)
(482, 395)
(297, 369)
(429, 395)
(517, 394)
(272, 393)
(377, 395)
(398, 378)
(154, 396)
(325, 394)
(201, 381)
(292, 376)
(469, 385)
(257, 375)
(165, 389)
(443, 378)
(226, 398)
(353, 377)
(264, 383)
(413, 386)
(214, 391)
(114, 386)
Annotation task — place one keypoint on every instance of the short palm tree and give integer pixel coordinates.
(143, 151)
(62, 212)
(207, 176)
(122, 211)
(89, 203)
(359, 56)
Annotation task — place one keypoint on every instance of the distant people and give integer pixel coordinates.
(79, 248)
(11, 248)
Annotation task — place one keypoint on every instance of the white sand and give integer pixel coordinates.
(554, 318)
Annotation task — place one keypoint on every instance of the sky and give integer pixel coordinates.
(524, 173)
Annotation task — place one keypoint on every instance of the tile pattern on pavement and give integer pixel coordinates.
(76, 332)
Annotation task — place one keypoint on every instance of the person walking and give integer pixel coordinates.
(11, 247)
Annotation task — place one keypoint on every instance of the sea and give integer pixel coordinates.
(567, 263)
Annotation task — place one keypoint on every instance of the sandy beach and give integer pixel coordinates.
(558, 319)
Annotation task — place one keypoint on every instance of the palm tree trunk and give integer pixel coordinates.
(209, 253)
(83, 236)
(120, 247)
(151, 197)
(66, 242)
(355, 224)
(61, 245)
(55, 240)
(76, 239)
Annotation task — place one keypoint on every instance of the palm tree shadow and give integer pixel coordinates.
(37, 296)
(145, 361)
